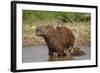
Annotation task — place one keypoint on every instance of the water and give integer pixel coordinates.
(35, 54)
(40, 54)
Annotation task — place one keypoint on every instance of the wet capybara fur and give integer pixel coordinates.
(57, 39)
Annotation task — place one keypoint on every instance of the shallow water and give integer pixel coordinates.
(40, 54)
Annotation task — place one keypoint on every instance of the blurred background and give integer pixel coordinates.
(79, 23)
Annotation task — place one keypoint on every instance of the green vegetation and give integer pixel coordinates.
(30, 17)
(78, 22)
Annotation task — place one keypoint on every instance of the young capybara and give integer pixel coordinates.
(57, 39)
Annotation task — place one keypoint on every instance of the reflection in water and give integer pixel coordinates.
(55, 58)
(40, 54)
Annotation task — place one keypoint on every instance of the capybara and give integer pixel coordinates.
(66, 36)
(57, 39)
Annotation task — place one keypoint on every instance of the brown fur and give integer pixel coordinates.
(57, 39)
(66, 36)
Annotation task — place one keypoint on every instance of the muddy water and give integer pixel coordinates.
(40, 54)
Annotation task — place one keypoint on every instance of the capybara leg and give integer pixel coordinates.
(68, 52)
(61, 54)
(71, 49)
(50, 52)
(64, 54)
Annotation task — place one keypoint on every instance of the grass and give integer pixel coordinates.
(82, 33)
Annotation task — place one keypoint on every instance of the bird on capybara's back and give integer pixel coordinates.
(58, 39)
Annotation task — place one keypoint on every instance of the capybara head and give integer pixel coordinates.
(43, 30)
